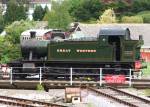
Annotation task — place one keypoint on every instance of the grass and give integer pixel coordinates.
(147, 92)
(144, 12)
(146, 71)
(40, 87)
(145, 15)
(90, 105)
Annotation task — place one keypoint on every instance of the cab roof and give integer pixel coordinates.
(39, 32)
(114, 31)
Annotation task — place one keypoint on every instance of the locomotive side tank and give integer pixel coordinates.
(112, 45)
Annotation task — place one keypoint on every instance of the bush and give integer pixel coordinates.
(146, 18)
(10, 52)
(13, 35)
(145, 71)
(40, 87)
(2, 25)
(132, 19)
(9, 45)
(58, 17)
(144, 12)
(108, 17)
(145, 15)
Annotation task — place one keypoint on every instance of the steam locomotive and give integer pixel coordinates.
(113, 48)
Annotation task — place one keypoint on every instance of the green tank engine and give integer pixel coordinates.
(113, 48)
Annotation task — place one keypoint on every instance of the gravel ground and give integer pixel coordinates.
(137, 92)
(51, 96)
(26, 94)
(89, 99)
(94, 100)
(57, 96)
(1, 105)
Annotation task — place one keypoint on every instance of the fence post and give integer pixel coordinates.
(10, 75)
(130, 77)
(140, 74)
(71, 76)
(100, 81)
(40, 75)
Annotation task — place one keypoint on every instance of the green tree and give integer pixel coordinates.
(21, 13)
(46, 10)
(120, 7)
(38, 13)
(58, 17)
(9, 45)
(140, 5)
(86, 10)
(108, 17)
(74, 5)
(23, 1)
(13, 35)
(2, 25)
(14, 12)
(123, 6)
(10, 52)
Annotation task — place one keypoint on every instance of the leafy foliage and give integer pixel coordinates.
(85, 10)
(8, 51)
(2, 25)
(21, 13)
(140, 5)
(89, 10)
(120, 7)
(13, 35)
(145, 15)
(146, 71)
(9, 45)
(14, 12)
(58, 17)
(107, 17)
(132, 19)
(40, 87)
(143, 12)
(146, 18)
(38, 13)
(74, 5)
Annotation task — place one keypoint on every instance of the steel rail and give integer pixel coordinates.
(131, 95)
(27, 103)
(15, 103)
(114, 98)
(140, 80)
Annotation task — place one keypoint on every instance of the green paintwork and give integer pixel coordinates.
(104, 51)
(129, 50)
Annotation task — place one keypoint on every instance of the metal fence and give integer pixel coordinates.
(70, 72)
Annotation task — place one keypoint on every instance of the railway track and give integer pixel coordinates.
(31, 84)
(141, 83)
(141, 80)
(18, 102)
(122, 97)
